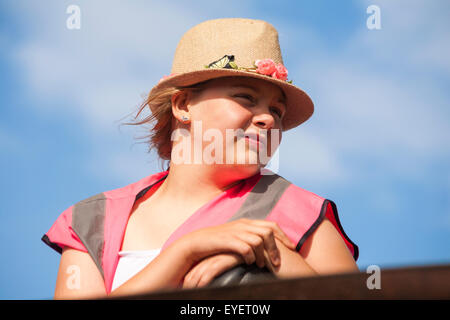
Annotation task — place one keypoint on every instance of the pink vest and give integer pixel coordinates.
(97, 225)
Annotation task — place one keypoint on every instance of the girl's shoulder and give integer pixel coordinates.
(298, 211)
(88, 216)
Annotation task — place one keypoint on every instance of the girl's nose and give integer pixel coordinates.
(264, 120)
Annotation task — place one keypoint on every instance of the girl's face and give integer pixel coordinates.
(234, 105)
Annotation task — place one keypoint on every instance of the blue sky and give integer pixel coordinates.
(377, 144)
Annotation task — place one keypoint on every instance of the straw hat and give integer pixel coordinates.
(236, 47)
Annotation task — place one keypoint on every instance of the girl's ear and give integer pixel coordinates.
(180, 101)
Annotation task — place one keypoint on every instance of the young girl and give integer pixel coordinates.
(214, 207)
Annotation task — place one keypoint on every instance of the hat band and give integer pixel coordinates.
(263, 66)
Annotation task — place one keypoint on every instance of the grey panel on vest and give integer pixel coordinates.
(88, 218)
(263, 198)
(258, 205)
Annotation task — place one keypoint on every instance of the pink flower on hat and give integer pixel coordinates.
(280, 72)
(262, 66)
(265, 66)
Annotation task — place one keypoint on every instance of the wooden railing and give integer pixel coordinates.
(427, 282)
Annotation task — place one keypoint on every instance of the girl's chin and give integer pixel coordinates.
(242, 170)
(248, 168)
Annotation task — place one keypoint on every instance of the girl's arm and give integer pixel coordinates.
(250, 239)
(165, 271)
(324, 252)
(79, 278)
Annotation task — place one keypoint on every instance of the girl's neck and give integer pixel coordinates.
(200, 183)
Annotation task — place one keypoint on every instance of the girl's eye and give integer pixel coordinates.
(277, 111)
(245, 96)
(252, 100)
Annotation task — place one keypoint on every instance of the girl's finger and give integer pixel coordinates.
(268, 241)
(278, 232)
(229, 243)
(216, 266)
(257, 244)
(191, 278)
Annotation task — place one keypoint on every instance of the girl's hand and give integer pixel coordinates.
(247, 238)
(209, 268)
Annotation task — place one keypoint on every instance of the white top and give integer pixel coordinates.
(130, 263)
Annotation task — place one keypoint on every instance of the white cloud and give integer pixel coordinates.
(377, 102)
(380, 111)
(122, 49)
(414, 34)
(309, 158)
(125, 166)
(100, 72)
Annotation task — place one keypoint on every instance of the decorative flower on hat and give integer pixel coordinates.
(265, 66)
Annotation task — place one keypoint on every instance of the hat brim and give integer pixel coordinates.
(299, 105)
